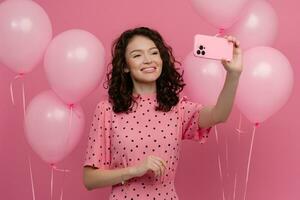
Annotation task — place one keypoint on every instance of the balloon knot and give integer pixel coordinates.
(221, 31)
(71, 105)
(256, 124)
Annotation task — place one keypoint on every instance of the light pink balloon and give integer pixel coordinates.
(204, 79)
(265, 83)
(25, 32)
(74, 64)
(221, 14)
(258, 27)
(50, 128)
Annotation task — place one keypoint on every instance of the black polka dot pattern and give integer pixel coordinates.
(126, 139)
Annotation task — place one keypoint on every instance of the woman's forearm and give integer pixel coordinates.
(225, 100)
(97, 178)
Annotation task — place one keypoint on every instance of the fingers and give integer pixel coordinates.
(158, 169)
(224, 62)
(163, 162)
(160, 165)
(233, 40)
(162, 168)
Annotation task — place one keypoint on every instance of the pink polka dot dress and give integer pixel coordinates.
(123, 140)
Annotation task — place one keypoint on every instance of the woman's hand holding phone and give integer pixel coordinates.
(226, 49)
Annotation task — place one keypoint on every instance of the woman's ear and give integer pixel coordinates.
(126, 70)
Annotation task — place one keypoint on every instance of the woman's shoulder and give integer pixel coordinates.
(185, 102)
(104, 105)
(183, 99)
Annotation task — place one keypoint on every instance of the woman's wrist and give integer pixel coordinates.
(130, 172)
(234, 74)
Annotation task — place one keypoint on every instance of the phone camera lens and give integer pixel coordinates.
(201, 47)
(198, 52)
(203, 53)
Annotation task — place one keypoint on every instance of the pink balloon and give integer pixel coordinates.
(204, 79)
(265, 83)
(50, 128)
(221, 14)
(25, 32)
(258, 27)
(74, 64)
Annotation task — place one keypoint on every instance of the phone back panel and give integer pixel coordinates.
(212, 47)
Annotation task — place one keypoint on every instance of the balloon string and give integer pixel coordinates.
(24, 99)
(238, 166)
(60, 170)
(239, 128)
(62, 190)
(234, 187)
(11, 87)
(216, 133)
(227, 160)
(219, 164)
(53, 167)
(71, 106)
(51, 184)
(249, 159)
(63, 181)
(31, 177)
(221, 176)
(23, 92)
(221, 32)
(67, 143)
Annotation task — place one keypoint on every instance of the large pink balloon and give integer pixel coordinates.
(50, 128)
(220, 13)
(258, 27)
(204, 79)
(265, 83)
(25, 32)
(74, 64)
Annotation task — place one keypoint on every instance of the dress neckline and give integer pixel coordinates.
(145, 95)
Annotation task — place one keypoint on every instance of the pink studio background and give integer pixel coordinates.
(275, 165)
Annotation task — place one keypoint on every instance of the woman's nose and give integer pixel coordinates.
(147, 58)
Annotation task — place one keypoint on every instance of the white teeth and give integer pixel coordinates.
(148, 69)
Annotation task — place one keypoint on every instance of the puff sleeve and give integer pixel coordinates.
(190, 117)
(98, 148)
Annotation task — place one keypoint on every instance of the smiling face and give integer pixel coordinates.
(143, 60)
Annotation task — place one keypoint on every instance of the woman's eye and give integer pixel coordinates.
(154, 53)
(136, 56)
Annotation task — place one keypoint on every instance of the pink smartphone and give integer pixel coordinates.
(212, 47)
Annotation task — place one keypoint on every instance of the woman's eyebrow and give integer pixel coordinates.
(138, 50)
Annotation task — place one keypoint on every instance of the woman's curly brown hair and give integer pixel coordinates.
(168, 85)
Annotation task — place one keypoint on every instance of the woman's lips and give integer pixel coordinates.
(148, 69)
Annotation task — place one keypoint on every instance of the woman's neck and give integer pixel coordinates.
(144, 89)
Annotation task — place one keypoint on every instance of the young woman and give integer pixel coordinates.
(135, 137)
